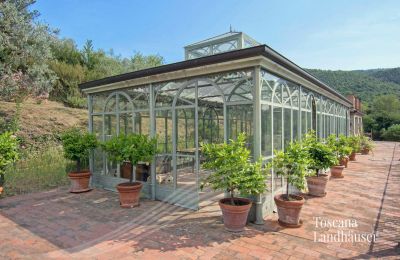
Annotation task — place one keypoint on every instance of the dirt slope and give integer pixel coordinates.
(41, 123)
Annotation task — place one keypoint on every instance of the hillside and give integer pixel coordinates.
(364, 83)
(42, 123)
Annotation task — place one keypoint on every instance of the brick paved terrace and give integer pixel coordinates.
(57, 224)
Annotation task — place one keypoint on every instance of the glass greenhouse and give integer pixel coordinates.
(227, 84)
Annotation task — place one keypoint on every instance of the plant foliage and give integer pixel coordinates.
(133, 148)
(320, 154)
(392, 133)
(8, 152)
(77, 145)
(339, 145)
(232, 168)
(293, 165)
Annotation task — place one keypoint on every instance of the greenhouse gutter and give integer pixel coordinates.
(261, 50)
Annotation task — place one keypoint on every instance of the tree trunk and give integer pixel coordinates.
(131, 176)
(78, 165)
(232, 196)
(287, 188)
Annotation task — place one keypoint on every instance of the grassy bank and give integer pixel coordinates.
(37, 172)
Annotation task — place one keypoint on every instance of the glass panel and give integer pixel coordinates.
(98, 101)
(185, 131)
(303, 122)
(164, 131)
(240, 119)
(124, 104)
(186, 176)
(142, 122)
(226, 46)
(187, 96)
(110, 126)
(277, 128)
(287, 126)
(125, 123)
(139, 96)
(211, 125)
(295, 124)
(164, 174)
(111, 104)
(266, 124)
(165, 93)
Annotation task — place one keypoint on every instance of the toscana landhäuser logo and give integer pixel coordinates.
(340, 231)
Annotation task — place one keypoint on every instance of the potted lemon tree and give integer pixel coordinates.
(366, 145)
(355, 143)
(132, 148)
(77, 146)
(293, 165)
(235, 173)
(8, 154)
(341, 150)
(321, 157)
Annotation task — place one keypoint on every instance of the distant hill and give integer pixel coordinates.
(365, 84)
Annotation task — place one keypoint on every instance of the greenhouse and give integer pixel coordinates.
(227, 85)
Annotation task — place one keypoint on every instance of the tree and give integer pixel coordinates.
(24, 52)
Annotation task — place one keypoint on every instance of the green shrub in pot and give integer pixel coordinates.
(234, 172)
(77, 145)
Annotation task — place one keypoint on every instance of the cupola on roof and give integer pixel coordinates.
(229, 41)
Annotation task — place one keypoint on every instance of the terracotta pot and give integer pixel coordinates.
(317, 185)
(235, 216)
(129, 194)
(365, 151)
(344, 161)
(337, 171)
(289, 210)
(352, 156)
(1, 190)
(79, 181)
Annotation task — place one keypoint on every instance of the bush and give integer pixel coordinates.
(392, 133)
(293, 165)
(38, 171)
(8, 153)
(77, 145)
(133, 148)
(76, 101)
(321, 155)
(232, 168)
(354, 142)
(340, 145)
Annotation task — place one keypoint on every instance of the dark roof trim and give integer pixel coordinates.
(261, 50)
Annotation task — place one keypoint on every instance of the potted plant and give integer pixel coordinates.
(345, 150)
(366, 145)
(234, 173)
(293, 164)
(340, 150)
(132, 148)
(8, 154)
(77, 146)
(321, 157)
(354, 143)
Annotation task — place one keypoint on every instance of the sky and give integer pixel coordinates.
(336, 34)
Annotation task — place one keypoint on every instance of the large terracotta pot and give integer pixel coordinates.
(344, 161)
(289, 210)
(337, 171)
(79, 181)
(365, 151)
(317, 185)
(352, 156)
(235, 216)
(129, 194)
